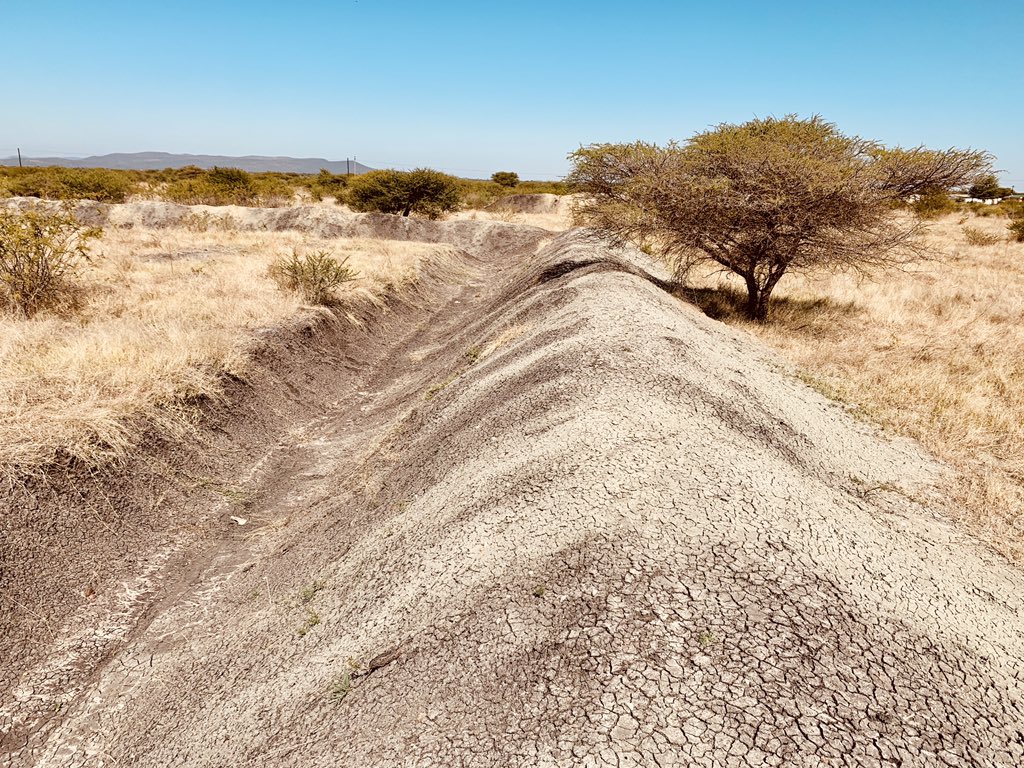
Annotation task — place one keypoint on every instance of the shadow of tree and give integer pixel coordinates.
(795, 314)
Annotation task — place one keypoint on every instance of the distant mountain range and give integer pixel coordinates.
(142, 161)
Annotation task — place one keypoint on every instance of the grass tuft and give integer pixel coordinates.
(314, 276)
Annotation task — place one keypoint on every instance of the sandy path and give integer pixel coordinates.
(572, 521)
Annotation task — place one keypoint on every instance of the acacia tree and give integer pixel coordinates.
(987, 188)
(424, 191)
(765, 197)
(505, 178)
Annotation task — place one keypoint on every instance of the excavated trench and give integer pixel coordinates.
(562, 519)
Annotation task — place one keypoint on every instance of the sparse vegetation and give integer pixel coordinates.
(165, 313)
(341, 686)
(933, 354)
(228, 186)
(308, 593)
(1016, 226)
(975, 236)
(480, 193)
(192, 185)
(766, 197)
(433, 389)
(422, 191)
(312, 620)
(41, 253)
(315, 276)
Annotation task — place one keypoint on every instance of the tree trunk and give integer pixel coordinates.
(761, 309)
(757, 299)
(753, 296)
(408, 209)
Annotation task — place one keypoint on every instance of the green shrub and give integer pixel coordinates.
(70, 184)
(40, 256)
(314, 276)
(228, 186)
(933, 204)
(1003, 208)
(219, 186)
(271, 191)
(505, 178)
(327, 184)
(423, 191)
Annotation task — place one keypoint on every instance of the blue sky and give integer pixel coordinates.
(475, 87)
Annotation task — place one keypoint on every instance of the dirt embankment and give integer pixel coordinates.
(542, 203)
(568, 520)
(83, 551)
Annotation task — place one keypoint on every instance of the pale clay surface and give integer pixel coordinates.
(627, 536)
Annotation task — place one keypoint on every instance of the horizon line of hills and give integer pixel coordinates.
(158, 161)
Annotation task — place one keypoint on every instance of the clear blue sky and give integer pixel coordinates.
(475, 87)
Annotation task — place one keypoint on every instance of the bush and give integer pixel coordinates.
(932, 204)
(228, 186)
(975, 236)
(326, 184)
(220, 186)
(1004, 208)
(1016, 226)
(314, 276)
(40, 255)
(70, 184)
(272, 191)
(423, 191)
(505, 178)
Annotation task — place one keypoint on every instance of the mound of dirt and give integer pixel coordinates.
(568, 520)
(540, 203)
(473, 237)
(83, 550)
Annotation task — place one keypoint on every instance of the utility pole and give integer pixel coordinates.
(348, 167)
(19, 158)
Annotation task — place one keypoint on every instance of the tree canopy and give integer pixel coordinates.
(423, 191)
(765, 197)
(988, 188)
(505, 178)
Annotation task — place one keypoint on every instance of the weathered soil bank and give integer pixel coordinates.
(568, 520)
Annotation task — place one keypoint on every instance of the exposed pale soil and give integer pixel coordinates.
(552, 517)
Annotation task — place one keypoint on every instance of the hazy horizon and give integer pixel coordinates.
(475, 89)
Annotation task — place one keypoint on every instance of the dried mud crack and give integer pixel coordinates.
(566, 520)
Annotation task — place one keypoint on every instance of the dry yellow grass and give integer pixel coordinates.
(557, 218)
(936, 353)
(168, 312)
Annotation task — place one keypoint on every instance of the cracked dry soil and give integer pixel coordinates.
(571, 521)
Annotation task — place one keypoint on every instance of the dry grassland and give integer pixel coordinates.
(936, 353)
(555, 221)
(168, 312)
